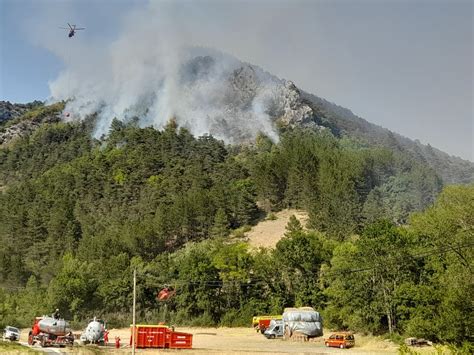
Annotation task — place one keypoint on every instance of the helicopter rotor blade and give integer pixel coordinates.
(70, 26)
(80, 28)
(63, 28)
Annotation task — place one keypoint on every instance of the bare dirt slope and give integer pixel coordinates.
(267, 233)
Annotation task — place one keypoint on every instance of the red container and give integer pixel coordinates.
(263, 324)
(180, 340)
(151, 336)
(160, 336)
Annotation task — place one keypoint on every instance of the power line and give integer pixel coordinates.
(436, 251)
(255, 281)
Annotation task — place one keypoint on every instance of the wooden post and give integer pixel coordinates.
(134, 303)
(165, 313)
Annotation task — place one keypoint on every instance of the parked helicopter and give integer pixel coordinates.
(72, 29)
(95, 332)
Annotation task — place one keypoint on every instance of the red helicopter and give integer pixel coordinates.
(72, 29)
(166, 293)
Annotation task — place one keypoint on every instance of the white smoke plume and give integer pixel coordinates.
(159, 69)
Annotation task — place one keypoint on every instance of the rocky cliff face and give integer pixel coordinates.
(9, 111)
(295, 111)
(24, 128)
(23, 119)
(240, 100)
(255, 96)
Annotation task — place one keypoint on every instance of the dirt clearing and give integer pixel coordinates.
(248, 341)
(267, 233)
(231, 341)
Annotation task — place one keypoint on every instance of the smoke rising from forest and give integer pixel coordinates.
(161, 67)
(366, 57)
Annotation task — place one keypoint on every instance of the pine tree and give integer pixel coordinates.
(220, 228)
(293, 226)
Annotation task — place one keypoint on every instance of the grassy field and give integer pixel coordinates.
(7, 347)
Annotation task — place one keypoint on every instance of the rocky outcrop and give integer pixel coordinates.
(282, 100)
(27, 125)
(9, 111)
(234, 101)
(296, 111)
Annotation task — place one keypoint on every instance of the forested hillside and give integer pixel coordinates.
(78, 214)
(453, 170)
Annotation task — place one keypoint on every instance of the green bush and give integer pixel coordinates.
(271, 217)
(239, 233)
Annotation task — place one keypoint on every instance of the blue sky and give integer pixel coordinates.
(405, 65)
(26, 66)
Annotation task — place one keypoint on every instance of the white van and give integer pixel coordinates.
(274, 330)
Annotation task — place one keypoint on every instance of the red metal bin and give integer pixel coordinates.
(180, 340)
(150, 336)
(160, 336)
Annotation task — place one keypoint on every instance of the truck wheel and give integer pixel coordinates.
(272, 336)
(30, 339)
(43, 342)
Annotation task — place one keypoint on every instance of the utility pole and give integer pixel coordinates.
(134, 302)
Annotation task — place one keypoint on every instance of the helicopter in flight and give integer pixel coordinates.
(72, 29)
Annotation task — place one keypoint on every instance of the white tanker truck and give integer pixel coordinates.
(49, 331)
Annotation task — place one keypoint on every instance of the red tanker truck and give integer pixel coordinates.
(49, 331)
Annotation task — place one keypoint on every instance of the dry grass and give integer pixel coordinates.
(7, 347)
(267, 233)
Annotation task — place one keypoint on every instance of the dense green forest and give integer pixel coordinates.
(384, 251)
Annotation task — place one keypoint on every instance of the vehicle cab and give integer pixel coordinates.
(274, 330)
(340, 340)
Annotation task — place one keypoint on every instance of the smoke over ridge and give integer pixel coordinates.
(156, 71)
